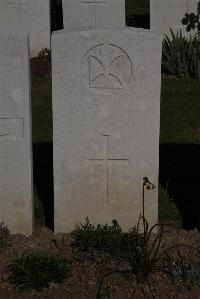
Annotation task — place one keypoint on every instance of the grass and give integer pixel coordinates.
(180, 110)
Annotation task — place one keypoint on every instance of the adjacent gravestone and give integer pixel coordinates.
(106, 110)
(90, 13)
(15, 136)
(31, 17)
(169, 14)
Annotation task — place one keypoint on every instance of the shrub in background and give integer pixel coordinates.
(167, 208)
(180, 56)
(4, 235)
(37, 270)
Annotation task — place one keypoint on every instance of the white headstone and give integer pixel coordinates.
(15, 136)
(106, 111)
(166, 14)
(31, 17)
(93, 13)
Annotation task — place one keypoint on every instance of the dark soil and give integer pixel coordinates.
(87, 273)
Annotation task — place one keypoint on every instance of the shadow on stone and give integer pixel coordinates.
(43, 179)
(180, 166)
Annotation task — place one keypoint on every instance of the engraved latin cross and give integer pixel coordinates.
(94, 3)
(106, 161)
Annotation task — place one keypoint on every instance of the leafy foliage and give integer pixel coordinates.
(144, 254)
(180, 56)
(37, 270)
(104, 239)
(139, 247)
(147, 257)
(4, 235)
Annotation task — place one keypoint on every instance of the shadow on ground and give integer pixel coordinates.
(180, 166)
(43, 179)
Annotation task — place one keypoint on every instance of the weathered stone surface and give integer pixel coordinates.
(168, 14)
(31, 17)
(15, 136)
(93, 13)
(106, 110)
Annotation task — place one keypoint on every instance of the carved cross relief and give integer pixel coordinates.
(107, 66)
(105, 72)
(106, 161)
(18, 4)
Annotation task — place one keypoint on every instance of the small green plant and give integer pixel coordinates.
(37, 270)
(144, 254)
(88, 237)
(180, 56)
(4, 235)
(139, 247)
(106, 238)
